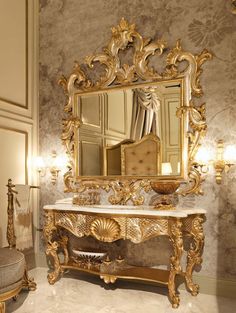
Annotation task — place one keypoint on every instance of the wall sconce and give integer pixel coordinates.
(54, 164)
(223, 159)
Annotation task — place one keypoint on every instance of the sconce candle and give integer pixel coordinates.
(39, 164)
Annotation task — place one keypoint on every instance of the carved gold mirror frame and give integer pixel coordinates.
(193, 116)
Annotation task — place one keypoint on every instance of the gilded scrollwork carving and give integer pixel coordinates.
(11, 238)
(176, 239)
(108, 228)
(74, 223)
(51, 246)
(195, 252)
(141, 229)
(28, 282)
(70, 128)
(122, 190)
(197, 122)
(126, 190)
(118, 74)
(135, 229)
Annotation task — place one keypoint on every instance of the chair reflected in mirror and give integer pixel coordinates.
(141, 158)
(112, 158)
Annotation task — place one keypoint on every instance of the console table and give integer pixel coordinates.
(138, 224)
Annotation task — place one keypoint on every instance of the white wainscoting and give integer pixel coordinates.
(18, 100)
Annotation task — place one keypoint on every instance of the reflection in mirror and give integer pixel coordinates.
(131, 131)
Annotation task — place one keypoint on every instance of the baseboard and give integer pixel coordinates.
(208, 285)
(212, 286)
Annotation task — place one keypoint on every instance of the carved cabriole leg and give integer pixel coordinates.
(28, 282)
(194, 253)
(64, 244)
(2, 307)
(52, 246)
(176, 239)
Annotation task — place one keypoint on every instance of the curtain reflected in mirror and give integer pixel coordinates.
(131, 131)
(146, 105)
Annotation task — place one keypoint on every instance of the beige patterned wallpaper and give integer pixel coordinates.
(72, 29)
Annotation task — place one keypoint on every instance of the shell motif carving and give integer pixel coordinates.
(105, 229)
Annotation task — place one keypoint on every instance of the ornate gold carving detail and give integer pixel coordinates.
(142, 229)
(28, 282)
(124, 36)
(11, 238)
(75, 223)
(175, 261)
(105, 229)
(126, 190)
(136, 229)
(195, 252)
(51, 246)
(197, 122)
(68, 137)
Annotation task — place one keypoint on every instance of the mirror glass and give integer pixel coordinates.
(131, 130)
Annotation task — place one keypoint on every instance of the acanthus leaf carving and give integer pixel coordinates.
(123, 37)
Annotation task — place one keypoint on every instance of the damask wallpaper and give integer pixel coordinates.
(72, 29)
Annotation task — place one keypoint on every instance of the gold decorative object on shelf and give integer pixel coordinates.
(165, 188)
(119, 76)
(91, 197)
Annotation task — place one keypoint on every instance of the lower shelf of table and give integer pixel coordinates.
(146, 274)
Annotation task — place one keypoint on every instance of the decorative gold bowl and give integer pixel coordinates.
(165, 188)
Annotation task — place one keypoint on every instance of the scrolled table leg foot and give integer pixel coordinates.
(194, 254)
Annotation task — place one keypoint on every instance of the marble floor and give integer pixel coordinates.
(88, 295)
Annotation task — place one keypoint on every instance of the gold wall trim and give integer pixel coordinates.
(26, 106)
(117, 76)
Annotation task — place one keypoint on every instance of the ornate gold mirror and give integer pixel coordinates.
(134, 124)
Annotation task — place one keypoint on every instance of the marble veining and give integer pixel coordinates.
(124, 210)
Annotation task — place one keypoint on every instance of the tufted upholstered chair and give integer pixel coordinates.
(112, 158)
(141, 158)
(13, 272)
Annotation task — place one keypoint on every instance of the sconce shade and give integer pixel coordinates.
(230, 154)
(38, 163)
(203, 156)
(166, 168)
(59, 162)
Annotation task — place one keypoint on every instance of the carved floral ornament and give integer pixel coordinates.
(117, 74)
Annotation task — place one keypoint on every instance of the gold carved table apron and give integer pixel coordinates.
(137, 226)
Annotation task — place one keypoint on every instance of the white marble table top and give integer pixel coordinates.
(123, 210)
